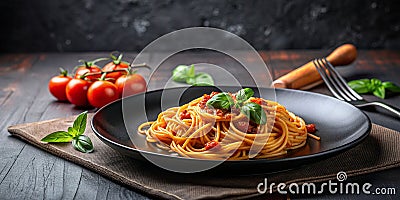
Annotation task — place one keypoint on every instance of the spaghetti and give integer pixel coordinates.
(197, 130)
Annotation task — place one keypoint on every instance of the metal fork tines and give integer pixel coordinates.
(339, 88)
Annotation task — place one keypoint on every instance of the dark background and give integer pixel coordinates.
(129, 25)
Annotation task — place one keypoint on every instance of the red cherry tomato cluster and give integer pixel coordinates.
(95, 86)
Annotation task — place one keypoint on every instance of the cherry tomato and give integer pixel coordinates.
(101, 93)
(76, 91)
(311, 128)
(116, 63)
(57, 85)
(113, 76)
(83, 70)
(89, 67)
(130, 84)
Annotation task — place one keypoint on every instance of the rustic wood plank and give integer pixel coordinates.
(24, 164)
(13, 67)
(88, 185)
(70, 181)
(31, 169)
(111, 190)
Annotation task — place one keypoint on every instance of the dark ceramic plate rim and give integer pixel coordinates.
(332, 151)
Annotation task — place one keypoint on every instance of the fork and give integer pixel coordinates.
(339, 88)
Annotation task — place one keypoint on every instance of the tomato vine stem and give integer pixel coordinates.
(132, 66)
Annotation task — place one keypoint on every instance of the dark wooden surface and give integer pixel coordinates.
(29, 173)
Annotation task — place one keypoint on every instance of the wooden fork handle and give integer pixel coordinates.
(308, 74)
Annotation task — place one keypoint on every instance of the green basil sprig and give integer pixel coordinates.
(187, 74)
(183, 72)
(221, 100)
(242, 96)
(80, 142)
(374, 86)
(252, 110)
(201, 79)
(83, 144)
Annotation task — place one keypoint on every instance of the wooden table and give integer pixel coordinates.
(29, 173)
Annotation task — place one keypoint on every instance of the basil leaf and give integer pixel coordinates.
(371, 87)
(190, 73)
(374, 86)
(244, 94)
(191, 81)
(360, 81)
(254, 112)
(360, 86)
(201, 79)
(221, 101)
(179, 74)
(58, 136)
(380, 92)
(376, 82)
(391, 86)
(79, 124)
(187, 74)
(202, 84)
(83, 144)
(72, 131)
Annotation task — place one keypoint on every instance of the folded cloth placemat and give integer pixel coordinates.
(379, 151)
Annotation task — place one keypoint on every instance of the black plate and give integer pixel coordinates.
(340, 125)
